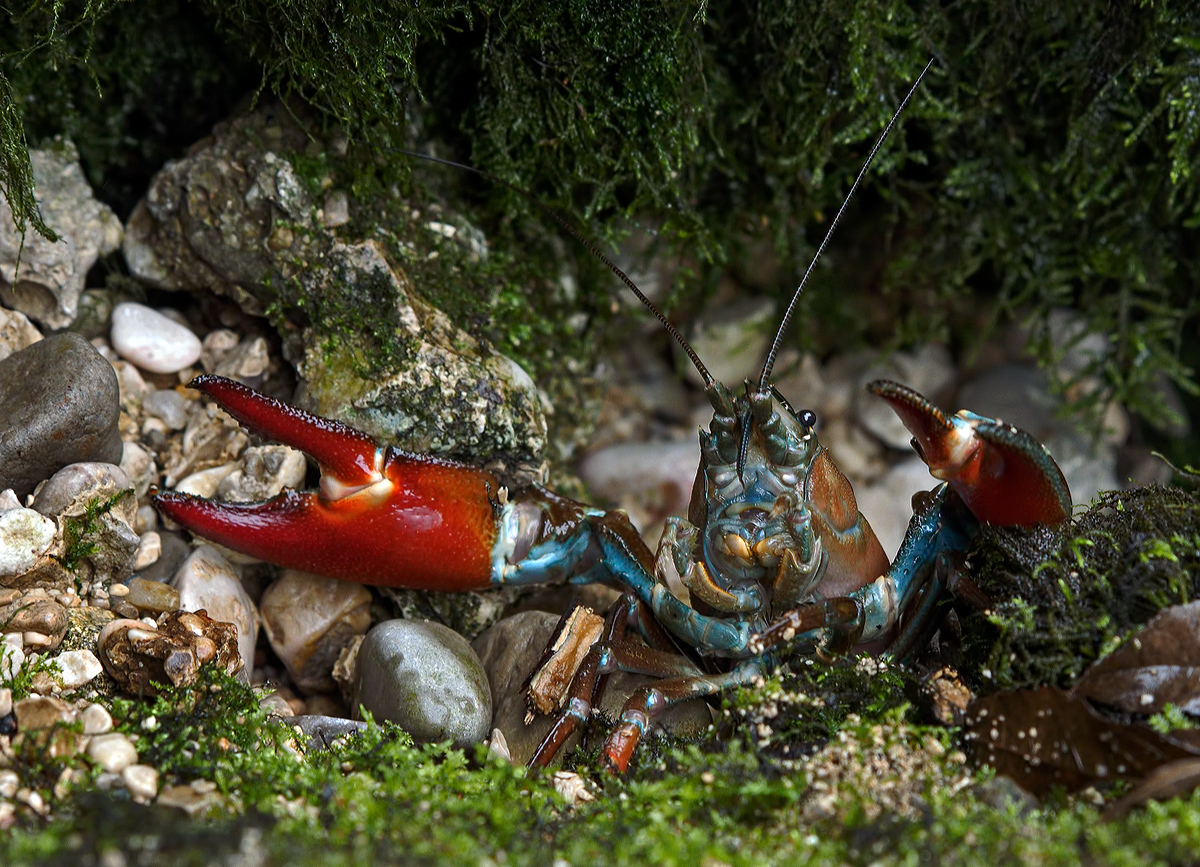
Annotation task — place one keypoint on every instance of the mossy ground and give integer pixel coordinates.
(379, 799)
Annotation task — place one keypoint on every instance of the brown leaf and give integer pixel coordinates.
(1165, 782)
(1159, 665)
(1045, 737)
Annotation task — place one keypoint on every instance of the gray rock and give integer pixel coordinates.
(263, 472)
(50, 276)
(88, 479)
(169, 405)
(58, 406)
(24, 537)
(207, 580)
(425, 678)
(320, 731)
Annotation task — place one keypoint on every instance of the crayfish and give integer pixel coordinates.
(774, 552)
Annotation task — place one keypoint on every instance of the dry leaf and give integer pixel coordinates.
(1159, 665)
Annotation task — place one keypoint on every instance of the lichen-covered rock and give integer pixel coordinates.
(49, 278)
(451, 395)
(59, 404)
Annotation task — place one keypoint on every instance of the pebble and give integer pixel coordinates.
(16, 332)
(25, 535)
(193, 802)
(76, 667)
(9, 783)
(113, 752)
(425, 678)
(309, 619)
(59, 405)
(42, 712)
(887, 503)
(929, 369)
(141, 781)
(148, 550)
(320, 731)
(171, 406)
(207, 580)
(152, 341)
(12, 656)
(139, 656)
(174, 550)
(6, 701)
(262, 473)
(96, 720)
(139, 466)
(153, 597)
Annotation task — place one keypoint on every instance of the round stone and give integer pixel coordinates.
(24, 536)
(425, 678)
(152, 341)
(58, 406)
(114, 752)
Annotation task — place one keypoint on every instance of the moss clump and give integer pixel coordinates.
(1065, 597)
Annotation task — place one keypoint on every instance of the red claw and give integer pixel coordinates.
(381, 516)
(1002, 473)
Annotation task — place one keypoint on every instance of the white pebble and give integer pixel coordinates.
(113, 752)
(77, 667)
(96, 720)
(9, 783)
(148, 550)
(5, 701)
(141, 781)
(152, 341)
(12, 657)
(24, 536)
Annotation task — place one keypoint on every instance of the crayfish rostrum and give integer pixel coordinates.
(774, 551)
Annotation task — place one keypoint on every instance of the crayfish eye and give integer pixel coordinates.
(808, 418)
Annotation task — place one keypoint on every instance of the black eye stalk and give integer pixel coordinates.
(808, 418)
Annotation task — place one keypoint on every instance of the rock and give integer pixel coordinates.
(309, 619)
(425, 678)
(39, 616)
(193, 801)
(96, 719)
(732, 340)
(337, 209)
(52, 273)
(152, 597)
(152, 341)
(263, 472)
(451, 395)
(42, 712)
(141, 781)
(92, 503)
(174, 550)
(139, 466)
(113, 752)
(141, 657)
(247, 362)
(148, 550)
(25, 535)
(59, 405)
(16, 332)
(76, 667)
(650, 481)
(321, 731)
(207, 581)
(929, 369)
(215, 347)
(6, 705)
(12, 656)
(172, 406)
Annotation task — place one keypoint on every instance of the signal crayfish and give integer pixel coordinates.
(774, 552)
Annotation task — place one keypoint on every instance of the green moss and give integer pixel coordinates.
(1064, 598)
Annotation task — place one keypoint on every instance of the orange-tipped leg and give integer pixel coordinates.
(1002, 473)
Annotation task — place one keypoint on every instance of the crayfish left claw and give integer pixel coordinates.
(1003, 474)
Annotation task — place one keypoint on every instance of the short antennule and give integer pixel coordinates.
(769, 364)
(588, 245)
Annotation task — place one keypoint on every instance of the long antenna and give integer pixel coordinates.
(787, 317)
(591, 248)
